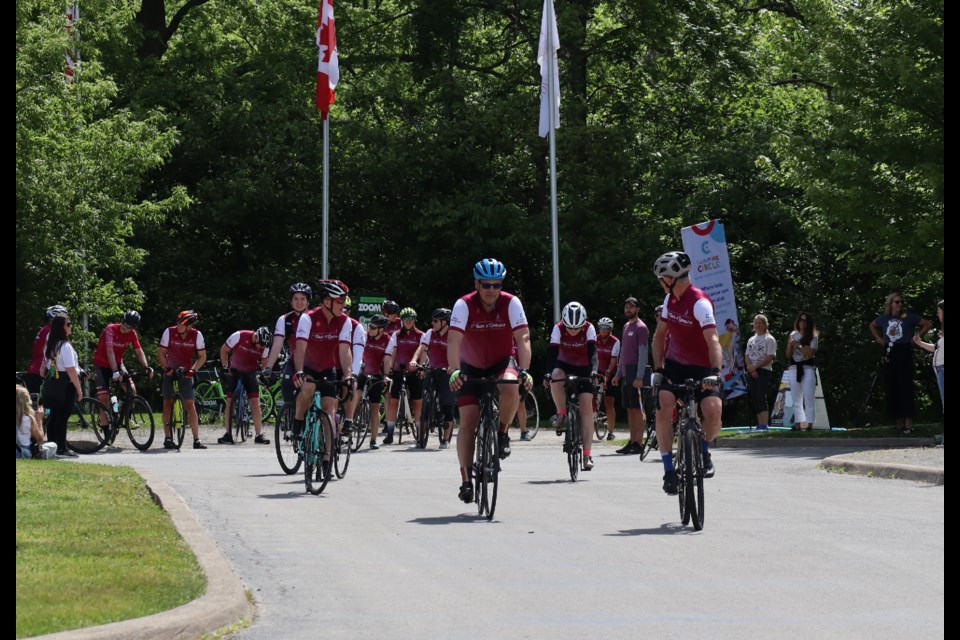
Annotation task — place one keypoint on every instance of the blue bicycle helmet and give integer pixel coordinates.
(489, 269)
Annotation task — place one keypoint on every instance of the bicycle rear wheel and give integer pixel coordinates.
(426, 418)
(361, 424)
(84, 433)
(694, 445)
(649, 440)
(342, 446)
(140, 425)
(286, 447)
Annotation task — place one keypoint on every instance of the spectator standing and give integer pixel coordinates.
(894, 330)
(61, 387)
(937, 351)
(760, 354)
(802, 348)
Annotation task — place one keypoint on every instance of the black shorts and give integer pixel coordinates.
(376, 386)
(440, 380)
(327, 375)
(757, 389)
(414, 384)
(102, 377)
(247, 378)
(582, 372)
(630, 395)
(470, 391)
(677, 373)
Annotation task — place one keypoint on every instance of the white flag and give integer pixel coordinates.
(547, 59)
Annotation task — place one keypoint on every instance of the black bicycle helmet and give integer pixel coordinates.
(441, 314)
(378, 322)
(132, 319)
(301, 287)
(390, 307)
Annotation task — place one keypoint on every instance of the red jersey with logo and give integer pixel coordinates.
(686, 318)
(374, 353)
(487, 335)
(244, 355)
(606, 351)
(393, 326)
(403, 344)
(436, 344)
(113, 338)
(181, 348)
(573, 348)
(39, 346)
(323, 338)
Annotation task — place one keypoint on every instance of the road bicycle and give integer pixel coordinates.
(486, 465)
(431, 415)
(689, 455)
(316, 442)
(361, 419)
(129, 412)
(529, 405)
(573, 436)
(600, 426)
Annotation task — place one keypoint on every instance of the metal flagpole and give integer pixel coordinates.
(553, 165)
(326, 197)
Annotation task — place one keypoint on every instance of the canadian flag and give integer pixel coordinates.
(328, 66)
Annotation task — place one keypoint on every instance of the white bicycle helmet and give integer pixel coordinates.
(574, 315)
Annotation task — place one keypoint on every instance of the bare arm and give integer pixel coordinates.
(225, 356)
(162, 357)
(201, 359)
(875, 330)
(660, 343)
(275, 349)
(713, 347)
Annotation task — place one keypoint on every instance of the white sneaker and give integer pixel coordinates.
(588, 463)
(444, 444)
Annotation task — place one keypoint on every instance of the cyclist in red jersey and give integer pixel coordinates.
(608, 356)
(358, 342)
(685, 345)
(373, 356)
(484, 325)
(241, 356)
(108, 358)
(33, 380)
(573, 351)
(400, 361)
(179, 345)
(285, 332)
(433, 350)
(323, 335)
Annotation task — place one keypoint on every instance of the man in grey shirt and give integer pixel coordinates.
(631, 372)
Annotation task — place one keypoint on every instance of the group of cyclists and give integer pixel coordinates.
(484, 336)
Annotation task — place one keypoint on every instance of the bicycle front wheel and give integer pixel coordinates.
(343, 445)
(84, 433)
(140, 425)
(426, 419)
(694, 456)
(241, 417)
(649, 440)
(600, 426)
(487, 469)
(178, 421)
(287, 454)
(316, 442)
(268, 402)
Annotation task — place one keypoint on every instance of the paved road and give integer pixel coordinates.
(788, 550)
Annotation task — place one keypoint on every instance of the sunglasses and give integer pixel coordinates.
(604, 327)
(339, 300)
(491, 285)
(896, 302)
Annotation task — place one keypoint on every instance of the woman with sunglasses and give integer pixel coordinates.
(894, 330)
(802, 348)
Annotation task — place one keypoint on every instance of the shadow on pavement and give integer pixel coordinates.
(462, 518)
(667, 528)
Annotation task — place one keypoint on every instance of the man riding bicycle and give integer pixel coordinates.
(685, 345)
(608, 358)
(372, 371)
(286, 331)
(108, 358)
(573, 351)
(484, 325)
(241, 356)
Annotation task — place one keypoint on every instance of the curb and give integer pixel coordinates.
(767, 443)
(224, 603)
(884, 470)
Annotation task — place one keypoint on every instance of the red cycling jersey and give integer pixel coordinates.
(573, 348)
(488, 335)
(686, 318)
(323, 338)
(39, 346)
(113, 338)
(181, 348)
(244, 355)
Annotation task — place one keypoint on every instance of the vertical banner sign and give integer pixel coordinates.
(706, 244)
